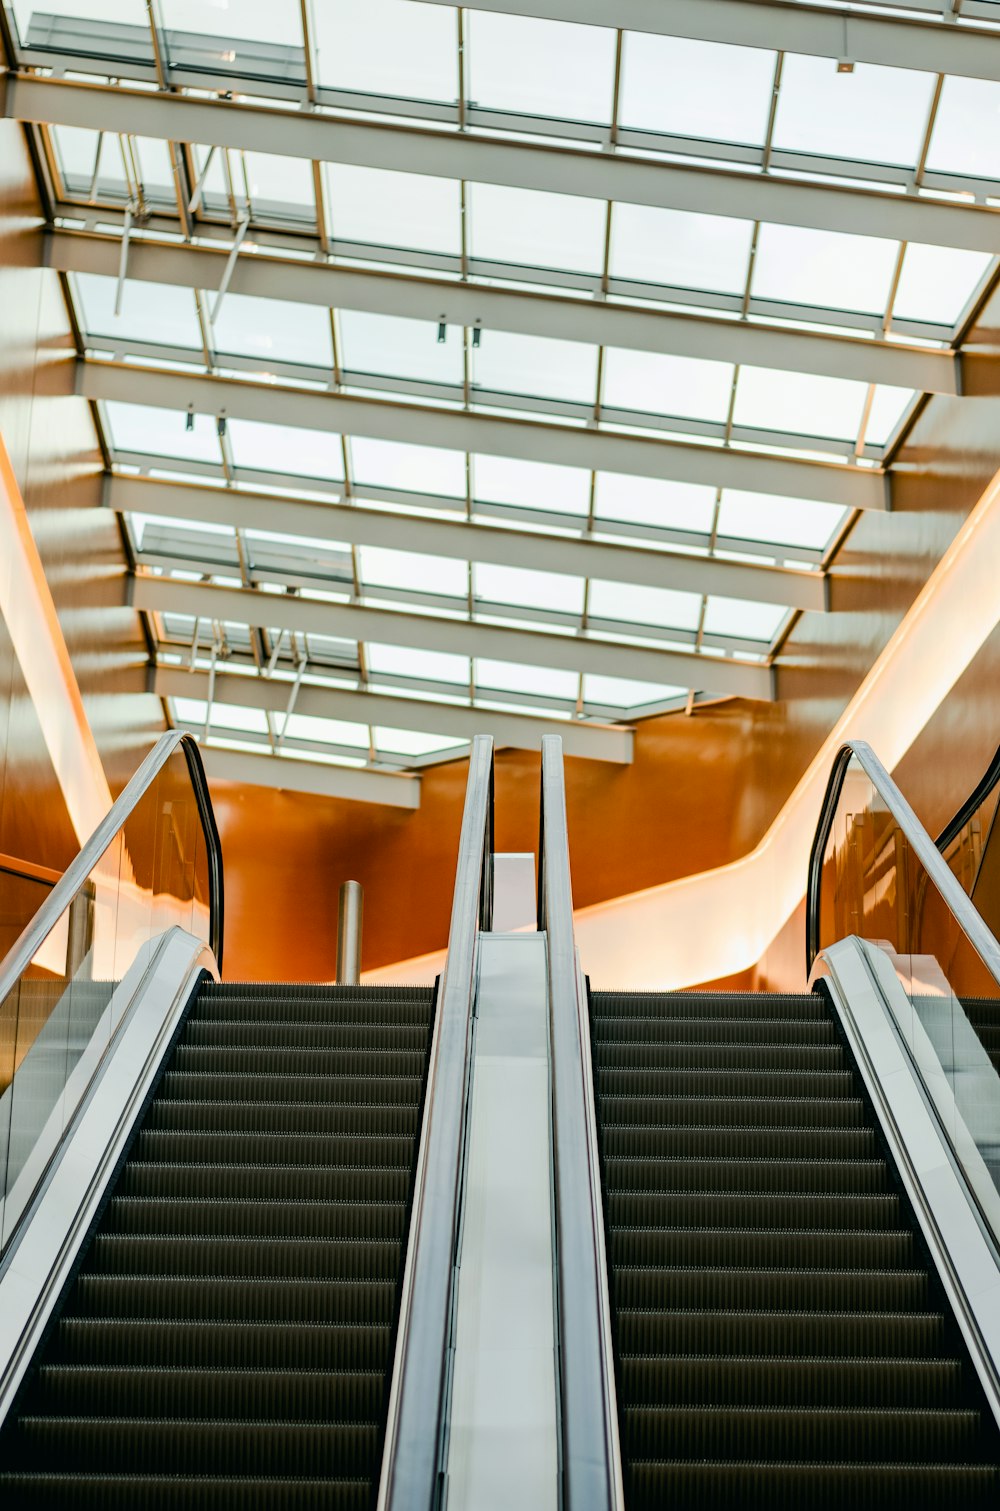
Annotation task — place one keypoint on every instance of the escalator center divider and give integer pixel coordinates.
(228, 1337)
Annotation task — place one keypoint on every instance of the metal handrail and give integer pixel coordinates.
(590, 1449)
(415, 1430)
(926, 851)
(76, 875)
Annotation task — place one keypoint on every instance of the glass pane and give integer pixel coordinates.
(535, 365)
(398, 466)
(429, 666)
(701, 89)
(874, 114)
(647, 501)
(965, 136)
(783, 521)
(277, 21)
(155, 312)
(531, 485)
(680, 249)
(162, 432)
(410, 742)
(286, 449)
(510, 676)
(48, 24)
(627, 602)
(414, 570)
(520, 585)
(937, 283)
(538, 229)
(941, 991)
(801, 402)
(393, 47)
(825, 268)
(684, 386)
(394, 209)
(399, 348)
(624, 693)
(535, 67)
(742, 619)
(58, 1022)
(273, 328)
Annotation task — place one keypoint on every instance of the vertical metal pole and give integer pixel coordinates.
(349, 934)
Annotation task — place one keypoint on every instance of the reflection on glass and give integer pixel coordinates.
(59, 1019)
(943, 991)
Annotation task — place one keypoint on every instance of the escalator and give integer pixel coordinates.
(780, 1337)
(229, 1336)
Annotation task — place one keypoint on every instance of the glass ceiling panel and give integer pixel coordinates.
(683, 386)
(873, 114)
(660, 606)
(397, 347)
(393, 209)
(281, 186)
(531, 485)
(965, 137)
(524, 586)
(409, 742)
(831, 268)
(385, 568)
(937, 282)
(324, 731)
(647, 501)
(888, 407)
(429, 666)
(155, 312)
(273, 328)
(394, 47)
(785, 521)
(799, 402)
(742, 619)
(679, 248)
(122, 12)
(534, 227)
(286, 449)
(511, 676)
(162, 432)
(702, 89)
(623, 692)
(237, 20)
(536, 67)
(535, 365)
(414, 469)
(228, 716)
(120, 166)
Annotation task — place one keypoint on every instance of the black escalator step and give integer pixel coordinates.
(629, 1109)
(265, 1182)
(300, 1395)
(179, 1492)
(691, 1082)
(724, 1289)
(675, 1030)
(229, 1298)
(273, 1148)
(925, 1435)
(315, 1034)
(871, 1249)
(781, 1333)
(307, 991)
(783, 1486)
(631, 1141)
(745, 1209)
(706, 1004)
(758, 1175)
(253, 1059)
(691, 1380)
(190, 1445)
(243, 1087)
(729, 1055)
(353, 1118)
(296, 1258)
(331, 1220)
(202, 1344)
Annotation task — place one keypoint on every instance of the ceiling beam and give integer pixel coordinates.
(487, 159)
(581, 652)
(529, 440)
(780, 25)
(596, 322)
(596, 742)
(290, 774)
(461, 540)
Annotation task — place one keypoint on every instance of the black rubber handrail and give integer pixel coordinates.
(590, 1468)
(415, 1431)
(75, 878)
(982, 790)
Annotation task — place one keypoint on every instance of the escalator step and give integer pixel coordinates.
(200, 1086)
(787, 1486)
(314, 1034)
(252, 1256)
(727, 1110)
(745, 1381)
(675, 1030)
(365, 1299)
(749, 1209)
(393, 1120)
(628, 1141)
(756, 1175)
(692, 1082)
(154, 1145)
(265, 1182)
(779, 1333)
(767, 1247)
(253, 1059)
(300, 1395)
(330, 1220)
(637, 1058)
(195, 1344)
(149, 1492)
(916, 1434)
(191, 1445)
(709, 1289)
(705, 1005)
